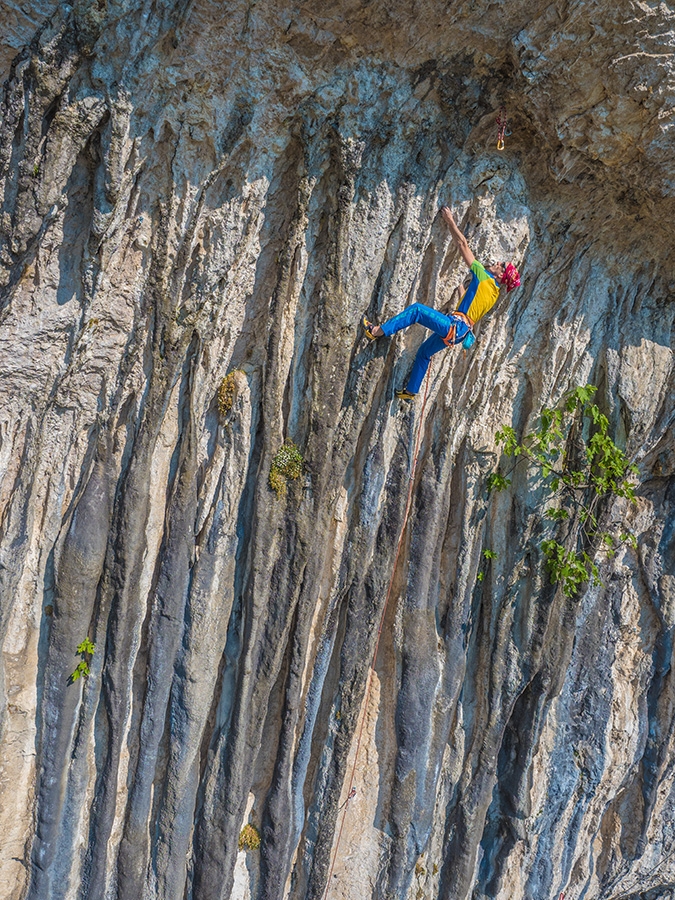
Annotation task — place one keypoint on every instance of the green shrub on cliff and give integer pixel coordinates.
(580, 468)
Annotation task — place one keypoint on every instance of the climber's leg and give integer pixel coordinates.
(424, 315)
(432, 345)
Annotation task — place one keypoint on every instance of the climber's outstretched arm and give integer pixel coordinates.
(458, 237)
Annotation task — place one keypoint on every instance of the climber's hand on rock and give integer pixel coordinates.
(458, 237)
(447, 215)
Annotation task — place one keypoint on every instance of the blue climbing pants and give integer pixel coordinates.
(437, 322)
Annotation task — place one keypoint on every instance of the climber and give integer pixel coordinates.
(479, 298)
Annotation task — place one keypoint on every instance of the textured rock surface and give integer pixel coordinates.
(194, 188)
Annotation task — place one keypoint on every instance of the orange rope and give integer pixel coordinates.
(352, 791)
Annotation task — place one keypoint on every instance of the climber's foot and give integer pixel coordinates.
(405, 395)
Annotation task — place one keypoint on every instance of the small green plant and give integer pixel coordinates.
(626, 537)
(86, 651)
(497, 482)
(580, 466)
(287, 463)
(227, 393)
(487, 554)
(249, 839)
(36, 170)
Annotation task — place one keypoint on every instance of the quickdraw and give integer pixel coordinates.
(350, 796)
(501, 120)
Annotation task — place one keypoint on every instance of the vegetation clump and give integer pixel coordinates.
(580, 466)
(86, 651)
(487, 554)
(249, 839)
(287, 463)
(227, 393)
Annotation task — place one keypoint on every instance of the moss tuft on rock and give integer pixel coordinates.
(286, 464)
(249, 839)
(226, 394)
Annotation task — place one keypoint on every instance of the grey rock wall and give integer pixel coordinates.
(189, 189)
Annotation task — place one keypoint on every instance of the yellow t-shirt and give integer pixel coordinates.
(481, 295)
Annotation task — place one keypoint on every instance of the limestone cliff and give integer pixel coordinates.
(191, 189)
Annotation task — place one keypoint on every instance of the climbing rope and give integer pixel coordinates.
(501, 120)
(408, 503)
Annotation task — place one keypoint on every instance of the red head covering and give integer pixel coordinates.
(511, 278)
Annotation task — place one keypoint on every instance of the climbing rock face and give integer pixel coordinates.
(195, 190)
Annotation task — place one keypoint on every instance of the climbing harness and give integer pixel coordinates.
(501, 120)
(352, 790)
(450, 337)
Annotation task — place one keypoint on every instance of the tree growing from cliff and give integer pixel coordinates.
(580, 468)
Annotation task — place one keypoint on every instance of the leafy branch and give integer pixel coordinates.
(580, 467)
(86, 651)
